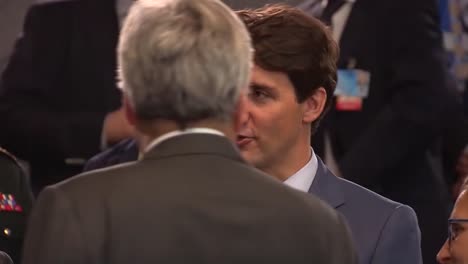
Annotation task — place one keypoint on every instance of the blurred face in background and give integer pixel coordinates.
(455, 249)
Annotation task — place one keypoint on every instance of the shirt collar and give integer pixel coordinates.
(195, 130)
(303, 178)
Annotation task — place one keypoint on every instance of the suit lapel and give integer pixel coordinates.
(191, 144)
(326, 186)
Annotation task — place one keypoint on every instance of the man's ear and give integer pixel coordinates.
(313, 106)
(129, 110)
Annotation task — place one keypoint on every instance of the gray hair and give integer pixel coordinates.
(183, 60)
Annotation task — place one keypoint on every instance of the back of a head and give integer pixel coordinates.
(288, 40)
(183, 60)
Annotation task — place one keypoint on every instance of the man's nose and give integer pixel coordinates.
(443, 257)
(244, 109)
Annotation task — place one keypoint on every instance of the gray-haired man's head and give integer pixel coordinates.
(183, 60)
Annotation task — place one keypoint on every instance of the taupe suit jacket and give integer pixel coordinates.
(192, 199)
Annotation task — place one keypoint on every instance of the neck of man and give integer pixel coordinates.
(149, 131)
(292, 159)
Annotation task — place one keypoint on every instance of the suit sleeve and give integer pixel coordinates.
(54, 235)
(413, 66)
(39, 61)
(400, 240)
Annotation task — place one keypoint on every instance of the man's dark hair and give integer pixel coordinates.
(288, 40)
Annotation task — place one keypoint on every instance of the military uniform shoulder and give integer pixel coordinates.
(5, 153)
(7, 199)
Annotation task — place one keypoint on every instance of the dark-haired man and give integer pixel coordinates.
(291, 88)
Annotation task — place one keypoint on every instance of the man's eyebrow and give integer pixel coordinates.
(260, 86)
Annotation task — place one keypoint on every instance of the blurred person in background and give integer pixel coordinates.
(454, 27)
(57, 94)
(191, 198)
(11, 18)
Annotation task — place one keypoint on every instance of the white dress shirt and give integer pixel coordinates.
(303, 178)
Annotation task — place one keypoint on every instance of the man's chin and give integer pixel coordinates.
(250, 157)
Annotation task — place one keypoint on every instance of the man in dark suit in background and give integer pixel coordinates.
(191, 198)
(384, 130)
(58, 93)
(11, 18)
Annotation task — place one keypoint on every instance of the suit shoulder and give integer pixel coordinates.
(357, 194)
(373, 203)
(296, 203)
(309, 206)
(96, 179)
(49, 14)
